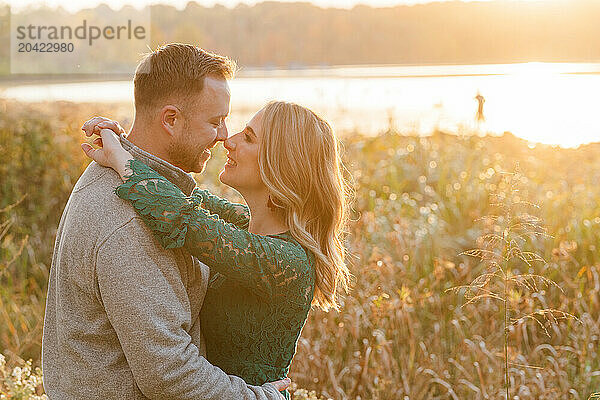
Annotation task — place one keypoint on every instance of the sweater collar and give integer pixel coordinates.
(175, 175)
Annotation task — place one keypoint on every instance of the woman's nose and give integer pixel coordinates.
(229, 144)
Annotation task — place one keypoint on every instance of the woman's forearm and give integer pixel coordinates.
(121, 165)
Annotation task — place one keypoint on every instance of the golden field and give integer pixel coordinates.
(400, 333)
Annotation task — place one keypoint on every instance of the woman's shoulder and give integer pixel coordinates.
(288, 241)
(295, 253)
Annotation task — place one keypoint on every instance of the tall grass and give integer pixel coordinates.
(399, 335)
(40, 164)
(510, 242)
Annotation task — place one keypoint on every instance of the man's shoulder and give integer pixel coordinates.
(97, 179)
(94, 205)
(95, 191)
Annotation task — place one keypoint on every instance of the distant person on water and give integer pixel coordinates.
(479, 117)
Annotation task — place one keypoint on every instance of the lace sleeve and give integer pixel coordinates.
(235, 213)
(267, 265)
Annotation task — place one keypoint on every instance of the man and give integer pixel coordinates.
(122, 313)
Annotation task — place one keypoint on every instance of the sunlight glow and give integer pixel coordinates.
(552, 103)
(74, 6)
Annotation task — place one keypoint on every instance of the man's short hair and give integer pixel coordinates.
(176, 70)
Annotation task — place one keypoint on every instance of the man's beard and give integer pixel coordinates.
(183, 155)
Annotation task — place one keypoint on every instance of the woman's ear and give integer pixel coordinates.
(170, 118)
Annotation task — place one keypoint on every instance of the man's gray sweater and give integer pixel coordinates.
(122, 313)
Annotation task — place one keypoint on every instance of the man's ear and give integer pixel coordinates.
(170, 118)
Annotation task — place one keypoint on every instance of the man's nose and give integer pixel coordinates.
(222, 133)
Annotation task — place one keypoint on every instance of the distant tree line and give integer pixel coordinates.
(298, 34)
(272, 34)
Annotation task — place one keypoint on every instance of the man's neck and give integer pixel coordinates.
(143, 151)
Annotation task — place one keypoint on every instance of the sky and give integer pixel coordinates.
(72, 6)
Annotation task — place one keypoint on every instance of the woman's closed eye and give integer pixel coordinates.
(249, 135)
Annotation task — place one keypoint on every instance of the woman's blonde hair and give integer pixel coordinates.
(299, 162)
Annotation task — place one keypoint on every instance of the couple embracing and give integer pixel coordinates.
(161, 290)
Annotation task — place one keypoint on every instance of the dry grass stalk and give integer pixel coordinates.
(502, 252)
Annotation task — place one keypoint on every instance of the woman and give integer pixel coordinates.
(271, 260)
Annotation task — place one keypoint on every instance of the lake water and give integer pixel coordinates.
(553, 103)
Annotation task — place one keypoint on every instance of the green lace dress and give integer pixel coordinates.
(261, 287)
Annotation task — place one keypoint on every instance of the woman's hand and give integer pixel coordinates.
(95, 124)
(281, 385)
(110, 152)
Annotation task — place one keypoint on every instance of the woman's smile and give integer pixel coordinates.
(230, 162)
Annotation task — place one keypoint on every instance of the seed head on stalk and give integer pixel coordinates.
(508, 233)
